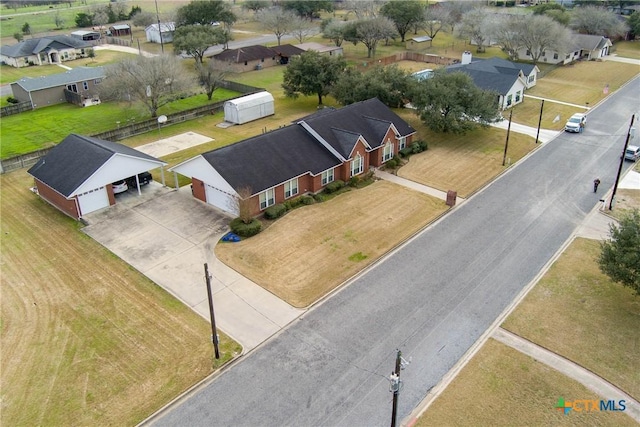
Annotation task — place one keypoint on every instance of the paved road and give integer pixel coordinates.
(432, 298)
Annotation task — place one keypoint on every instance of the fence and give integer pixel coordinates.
(23, 160)
(15, 109)
(409, 56)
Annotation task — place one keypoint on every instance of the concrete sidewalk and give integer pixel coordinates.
(593, 382)
(414, 185)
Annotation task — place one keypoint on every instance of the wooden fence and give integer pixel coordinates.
(408, 56)
(15, 109)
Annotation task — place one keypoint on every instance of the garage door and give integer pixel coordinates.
(93, 200)
(221, 200)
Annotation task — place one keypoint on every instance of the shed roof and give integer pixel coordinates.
(249, 101)
(318, 47)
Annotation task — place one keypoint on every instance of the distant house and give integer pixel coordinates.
(119, 30)
(154, 31)
(249, 58)
(76, 176)
(302, 158)
(418, 43)
(43, 51)
(508, 79)
(49, 90)
(86, 35)
(286, 51)
(321, 48)
(581, 46)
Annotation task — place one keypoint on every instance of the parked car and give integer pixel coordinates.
(576, 123)
(119, 186)
(144, 178)
(632, 153)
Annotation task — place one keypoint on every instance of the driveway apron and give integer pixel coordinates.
(168, 236)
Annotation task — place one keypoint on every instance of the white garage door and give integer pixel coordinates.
(93, 200)
(221, 199)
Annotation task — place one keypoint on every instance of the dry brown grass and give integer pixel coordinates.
(503, 387)
(626, 200)
(464, 163)
(314, 249)
(86, 339)
(577, 312)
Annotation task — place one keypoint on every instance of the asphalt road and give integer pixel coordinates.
(432, 298)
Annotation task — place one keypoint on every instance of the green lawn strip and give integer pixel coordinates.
(577, 312)
(503, 387)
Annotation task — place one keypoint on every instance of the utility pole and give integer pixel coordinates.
(159, 27)
(539, 121)
(624, 150)
(395, 387)
(506, 143)
(214, 333)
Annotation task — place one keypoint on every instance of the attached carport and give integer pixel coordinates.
(76, 175)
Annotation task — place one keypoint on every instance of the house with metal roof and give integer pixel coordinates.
(44, 51)
(321, 48)
(302, 158)
(162, 33)
(119, 30)
(76, 176)
(78, 85)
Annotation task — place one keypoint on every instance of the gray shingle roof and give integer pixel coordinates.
(495, 74)
(70, 163)
(76, 75)
(248, 53)
(35, 46)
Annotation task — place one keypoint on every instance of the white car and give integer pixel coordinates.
(576, 123)
(119, 186)
(632, 153)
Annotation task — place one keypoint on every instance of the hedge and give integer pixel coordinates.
(245, 230)
(334, 186)
(275, 211)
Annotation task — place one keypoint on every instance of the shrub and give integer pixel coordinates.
(318, 198)
(275, 211)
(245, 230)
(423, 145)
(12, 100)
(405, 152)
(354, 181)
(294, 203)
(307, 200)
(391, 164)
(334, 186)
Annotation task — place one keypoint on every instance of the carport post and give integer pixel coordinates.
(214, 333)
(175, 179)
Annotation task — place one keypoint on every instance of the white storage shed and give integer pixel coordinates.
(247, 108)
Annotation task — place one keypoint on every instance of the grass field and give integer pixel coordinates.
(86, 339)
(342, 236)
(503, 387)
(577, 312)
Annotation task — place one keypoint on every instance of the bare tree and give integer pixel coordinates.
(212, 74)
(542, 33)
(476, 26)
(154, 81)
(302, 29)
(370, 32)
(334, 31)
(435, 19)
(57, 19)
(144, 19)
(507, 32)
(597, 21)
(363, 9)
(243, 204)
(277, 20)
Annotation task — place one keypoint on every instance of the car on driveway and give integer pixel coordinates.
(632, 153)
(119, 186)
(576, 123)
(144, 178)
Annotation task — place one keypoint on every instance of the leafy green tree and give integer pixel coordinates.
(18, 36)
(26, 29)
(334, 31)
(307, 9)
(312, 73)
(404, 14)
(58, 20)
(255, 5)
(84, 20)
(391, 85)
(620, 255)
(634, 24)
(196, 39)
(205, 12)
(451, 102)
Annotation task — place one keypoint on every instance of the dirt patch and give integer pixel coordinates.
(314, 249)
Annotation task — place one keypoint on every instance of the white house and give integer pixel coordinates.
(581, 46)
(153, 32)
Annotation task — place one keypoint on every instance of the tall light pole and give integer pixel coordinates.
(214, 332)
(624, 150)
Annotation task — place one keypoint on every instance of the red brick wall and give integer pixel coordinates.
(68, 206)
(197, 187)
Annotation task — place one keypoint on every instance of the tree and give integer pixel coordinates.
(362, 9)
(476, 26)
(451, 102)
(26, 29)
(555, 11)
(596, 21)
(307, 9)
(83, 20)
(153, 81)
(196, 39)
(312, 73)
(434, 19)
(334, 31)
(18, 36)
(634, 24)
(391, 85)
(277, 21)
(369, 32)
(91, 53)
(58, 21)
(507, 32)
(541, 34)
(243, 204)
(404, 14)
(143, 19)
(211, 75)
(255, 5)
(620, 255)
(302, 29)
(100, 18)
(205, 12)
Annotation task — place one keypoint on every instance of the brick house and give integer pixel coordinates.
(298, 159)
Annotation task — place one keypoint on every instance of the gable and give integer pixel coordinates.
(34, 46)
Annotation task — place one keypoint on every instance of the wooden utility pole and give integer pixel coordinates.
(506, 143)
(624, 150)
(539, 121)
(395, 388)
(214, 333)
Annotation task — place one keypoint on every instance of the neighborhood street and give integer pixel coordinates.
(432, 298)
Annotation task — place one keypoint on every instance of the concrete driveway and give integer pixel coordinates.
(168, 236)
